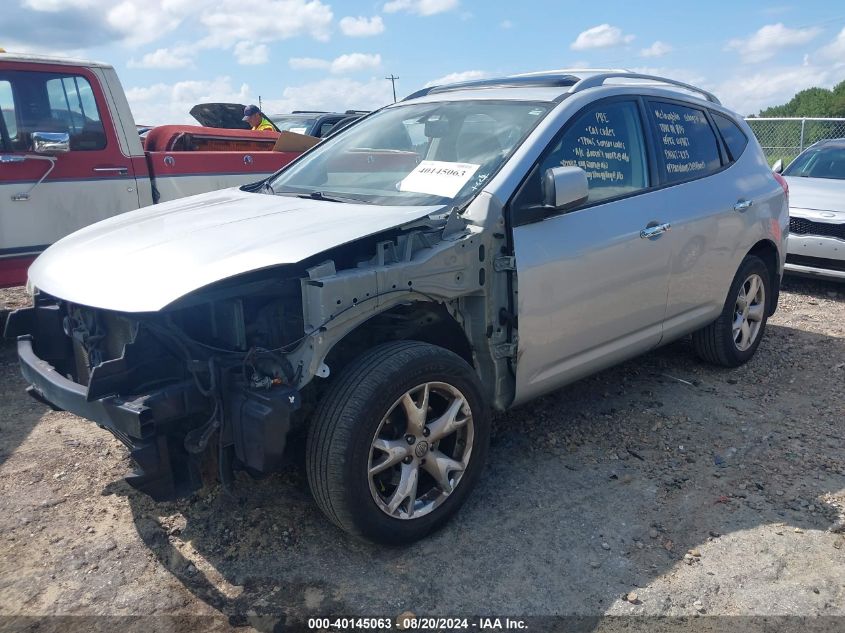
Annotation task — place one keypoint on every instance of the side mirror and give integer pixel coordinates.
(50, 142)
(564, 187)
(778, 166)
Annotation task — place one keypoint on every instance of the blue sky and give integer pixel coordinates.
(324, 54)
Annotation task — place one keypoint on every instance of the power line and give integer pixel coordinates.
(392, 80)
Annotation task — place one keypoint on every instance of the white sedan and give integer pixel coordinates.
(816, 181)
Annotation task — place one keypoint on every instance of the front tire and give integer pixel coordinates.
(398, 442)
(732, 339)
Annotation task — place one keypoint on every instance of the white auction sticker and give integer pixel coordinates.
(438, 178)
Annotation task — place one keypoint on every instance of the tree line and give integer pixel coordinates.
(812, 102)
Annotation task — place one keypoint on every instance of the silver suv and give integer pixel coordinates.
(471, 247)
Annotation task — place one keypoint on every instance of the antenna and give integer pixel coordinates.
(392, 80)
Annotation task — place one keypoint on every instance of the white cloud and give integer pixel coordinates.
(658, 49)
(453, 78)
(222, 24)
(506, 24)
(420, 7)
(140, 22)
(769, 40)
(748, 94)
(836, 49)
(336, 94)
(601, 36)
(251, 54)
(230, 21)
(349, 63)
(170, 103)
(361, 26)
(355, 62)
(165, 59)
(309, 63)
(51, 6)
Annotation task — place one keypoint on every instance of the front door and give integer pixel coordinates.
(44, 197)
(591, 286)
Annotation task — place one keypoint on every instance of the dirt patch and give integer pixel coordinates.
(660, 487)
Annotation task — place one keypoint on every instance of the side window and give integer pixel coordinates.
(326, 127)
(72, 106)
(47, 102)
(7, 108)
(686, 142)
(733, 136)
(606, 141)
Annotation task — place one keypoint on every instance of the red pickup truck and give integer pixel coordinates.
(70, 155)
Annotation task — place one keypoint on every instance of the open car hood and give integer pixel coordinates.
(144, 260)
(221, 115)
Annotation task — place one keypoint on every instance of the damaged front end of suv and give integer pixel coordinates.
(204, 332)
(218, 379)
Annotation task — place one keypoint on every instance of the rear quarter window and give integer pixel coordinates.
(734, 137)
(687, 145)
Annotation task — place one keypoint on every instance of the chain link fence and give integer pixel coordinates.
(785, 138)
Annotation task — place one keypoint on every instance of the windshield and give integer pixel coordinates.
(824, 162)
(419, 154)
(298, 124)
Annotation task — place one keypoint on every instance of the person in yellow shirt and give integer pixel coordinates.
(256, 119)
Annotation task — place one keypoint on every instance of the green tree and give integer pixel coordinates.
(812, 102)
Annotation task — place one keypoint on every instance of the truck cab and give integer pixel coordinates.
(71, 155)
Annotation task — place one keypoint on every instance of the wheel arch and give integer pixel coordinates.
(424, 321)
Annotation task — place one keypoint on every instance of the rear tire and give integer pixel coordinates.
(732, 339)
(398, 442)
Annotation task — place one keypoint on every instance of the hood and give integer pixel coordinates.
(144, 260)
(822, 194)
(221, 115)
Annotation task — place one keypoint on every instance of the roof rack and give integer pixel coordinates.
(357, 112)
(309, 112)
(573, 71)
(593, 81)
(548, 80)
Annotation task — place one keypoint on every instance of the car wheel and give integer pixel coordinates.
(732, 339)
(398, 442)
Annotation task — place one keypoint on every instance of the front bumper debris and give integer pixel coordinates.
(153, 425)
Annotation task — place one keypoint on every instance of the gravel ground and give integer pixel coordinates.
(660, 487)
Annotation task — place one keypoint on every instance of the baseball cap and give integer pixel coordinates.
(250, 110)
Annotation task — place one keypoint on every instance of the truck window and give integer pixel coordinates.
(7, 106)
(49, 102)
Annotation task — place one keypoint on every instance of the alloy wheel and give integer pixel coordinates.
(420, 450)
(749, 310)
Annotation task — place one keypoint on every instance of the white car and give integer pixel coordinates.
(816, 181)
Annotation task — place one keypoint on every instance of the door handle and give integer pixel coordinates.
(121, 170)
(742, 205)
(654, 231)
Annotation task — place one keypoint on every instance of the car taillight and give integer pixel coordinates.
(782, 182)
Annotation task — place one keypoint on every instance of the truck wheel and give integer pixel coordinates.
(732, 339)
(398, 442)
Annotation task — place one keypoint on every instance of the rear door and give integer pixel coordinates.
(43, 197)
(591, 288)
(705, 199)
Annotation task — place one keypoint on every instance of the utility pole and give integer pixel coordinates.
(392, 80)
